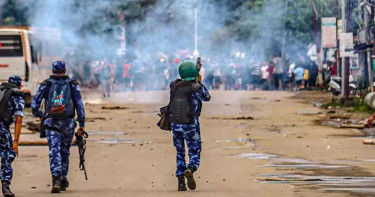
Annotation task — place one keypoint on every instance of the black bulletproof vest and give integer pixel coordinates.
(181, 108)
(6, 91)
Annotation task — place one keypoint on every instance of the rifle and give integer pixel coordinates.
(199, 63)
(81, 137)
(199, 66)
(42, 128)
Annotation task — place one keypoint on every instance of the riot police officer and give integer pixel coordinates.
(12, 105)
(63, 100)
(186, 98)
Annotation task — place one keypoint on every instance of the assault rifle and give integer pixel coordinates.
(42, 128)
(199, 63)
(199, 66)
(81, 137)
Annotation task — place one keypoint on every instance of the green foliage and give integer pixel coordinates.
(355, 105)
(244, 20)
(13, 13)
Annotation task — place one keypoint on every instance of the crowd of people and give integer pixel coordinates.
(139, 74)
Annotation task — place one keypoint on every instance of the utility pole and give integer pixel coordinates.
(196, 52)
(338, 67)
(345, 60)
(284, 32)
(316, 30)
(368, 19)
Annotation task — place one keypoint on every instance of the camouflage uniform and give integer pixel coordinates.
(191, 134)
(59, 132)
(16, 105)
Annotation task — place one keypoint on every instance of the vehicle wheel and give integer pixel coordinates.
(334, 92)
(352, 91)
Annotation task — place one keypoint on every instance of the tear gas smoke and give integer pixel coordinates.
(165, 34)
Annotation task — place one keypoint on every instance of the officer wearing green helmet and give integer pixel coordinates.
(188, 71)
(185, 106)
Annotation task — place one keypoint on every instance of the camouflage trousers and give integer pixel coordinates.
(191, 134)
(59, 143)
(7, 154)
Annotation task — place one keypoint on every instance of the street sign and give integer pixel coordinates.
(329, 39)
(339, 27)
(346, 45)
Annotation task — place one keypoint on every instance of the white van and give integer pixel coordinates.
(21, 54)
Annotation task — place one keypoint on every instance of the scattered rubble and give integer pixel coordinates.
(114, 107)
(369, 141)
(232, 118)
(93, 119)
(309, 112)
(352, 125)
(345, 116)
(33, 125)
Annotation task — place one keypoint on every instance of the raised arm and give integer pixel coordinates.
(37, 100)
(203, 94)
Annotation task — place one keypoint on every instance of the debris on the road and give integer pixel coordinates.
(93, 119)
(369, 141)
(138, 112)
(309, 112)
(339, 116)
(232, 118)
(257, 98)
(114, 107)
(33, 125)
(352, 125)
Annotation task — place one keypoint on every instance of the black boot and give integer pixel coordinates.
(56, 184)
(6, 189)
(190, 179)
(181, 183)
(64, 184)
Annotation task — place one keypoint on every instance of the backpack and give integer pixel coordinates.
(59, 104)
(6, 91)
(181, 109)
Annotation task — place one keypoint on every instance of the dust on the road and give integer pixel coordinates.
(128, 155)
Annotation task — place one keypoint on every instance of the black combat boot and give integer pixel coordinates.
(190, 179)
(6, 189)
(181, 183)
(56, 184)
(64, 184)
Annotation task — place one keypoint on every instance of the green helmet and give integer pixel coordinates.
(188, 71)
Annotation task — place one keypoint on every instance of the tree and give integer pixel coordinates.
(13, 13)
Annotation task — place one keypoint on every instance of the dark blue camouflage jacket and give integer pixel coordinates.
(16, 105)
(42, 95)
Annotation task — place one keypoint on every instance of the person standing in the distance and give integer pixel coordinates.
(186, 98)
(62, 98)
(12, 105)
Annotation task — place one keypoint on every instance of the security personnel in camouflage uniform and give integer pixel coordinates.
(11, 108)
(59, 132)
(185, 106)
